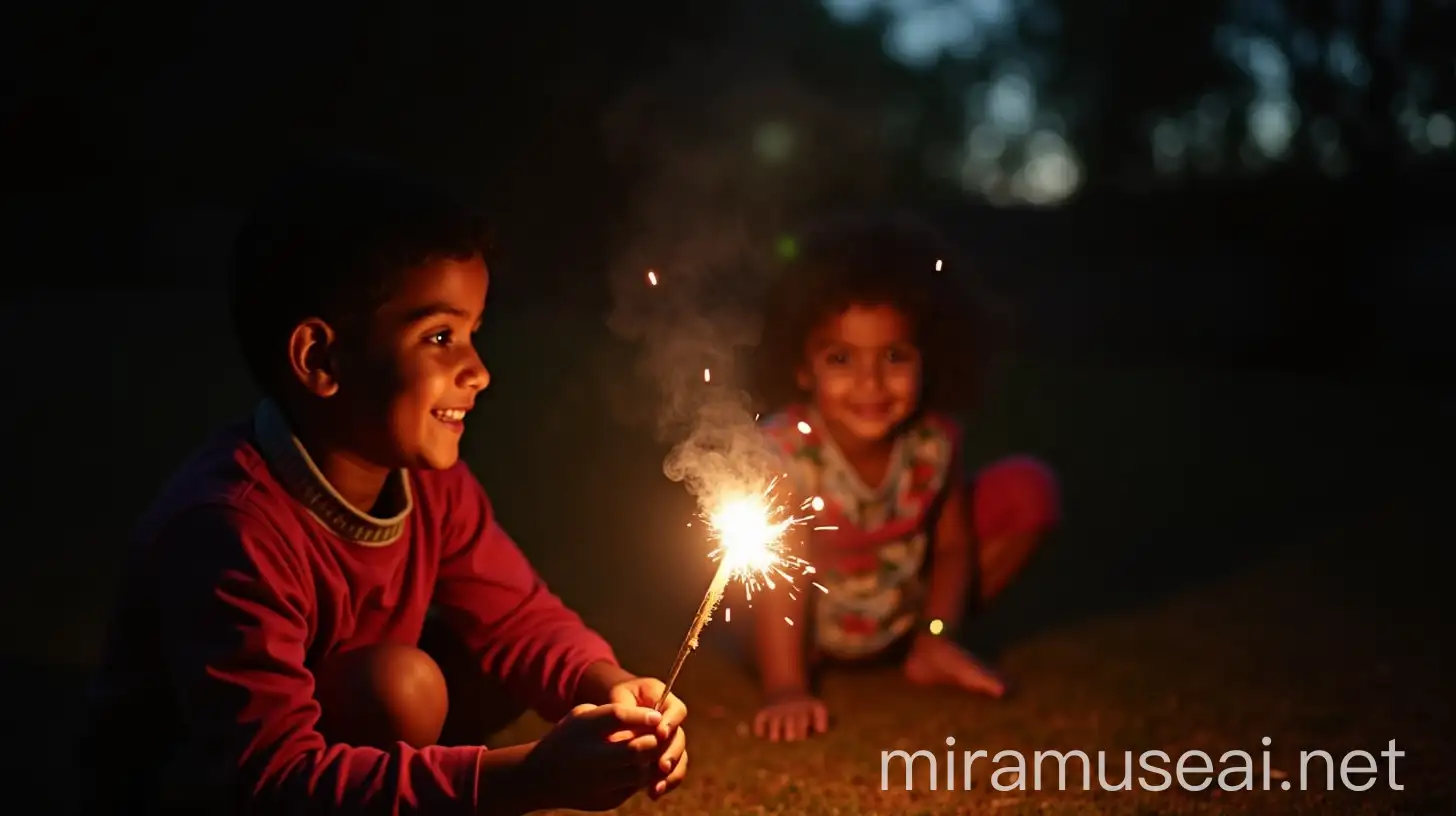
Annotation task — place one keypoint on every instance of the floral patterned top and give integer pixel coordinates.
(872, 563)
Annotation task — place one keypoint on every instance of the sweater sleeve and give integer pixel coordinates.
(488, 592)
(234, 607)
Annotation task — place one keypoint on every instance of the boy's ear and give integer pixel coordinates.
(313, 356)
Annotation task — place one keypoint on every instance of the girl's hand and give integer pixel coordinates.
(791, 716)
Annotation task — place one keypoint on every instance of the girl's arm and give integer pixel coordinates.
(952, 559)
(779, 648)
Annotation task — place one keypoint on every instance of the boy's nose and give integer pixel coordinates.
(475, 375)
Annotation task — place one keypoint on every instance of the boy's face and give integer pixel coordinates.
(864, 372)
(416, 375)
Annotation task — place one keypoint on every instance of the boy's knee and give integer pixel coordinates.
(480, 705)
(382, 694)
(1018, 495)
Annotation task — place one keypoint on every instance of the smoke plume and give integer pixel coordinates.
(724, 157)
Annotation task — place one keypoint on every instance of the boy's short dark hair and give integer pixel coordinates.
(333, 238)
(875, 259)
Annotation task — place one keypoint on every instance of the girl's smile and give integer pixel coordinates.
(864, 372)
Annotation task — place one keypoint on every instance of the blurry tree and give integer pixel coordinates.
(618, 123)
(1061, 95)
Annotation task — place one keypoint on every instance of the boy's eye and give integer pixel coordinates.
(837, 358)
(441, 338)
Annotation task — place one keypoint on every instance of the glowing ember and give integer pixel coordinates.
(937, 264)
(804, 427)
(707, 375)
(652, 276)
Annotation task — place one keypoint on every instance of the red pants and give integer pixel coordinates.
(1014, 496)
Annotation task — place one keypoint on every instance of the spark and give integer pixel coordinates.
(804, 427)
(727, 614)
(707, 375)
(652, 276)
(749, 527)
(937, 264)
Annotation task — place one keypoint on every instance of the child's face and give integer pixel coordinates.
(418, 373)
(864, 371)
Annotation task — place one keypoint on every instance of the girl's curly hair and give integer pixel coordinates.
(875, 260)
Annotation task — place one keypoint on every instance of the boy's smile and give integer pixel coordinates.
(454, 418)
(430, 371)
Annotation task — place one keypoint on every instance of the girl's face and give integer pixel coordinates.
(864, 371)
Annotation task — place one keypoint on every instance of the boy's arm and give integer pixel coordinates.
(488, 592)
(233, 609)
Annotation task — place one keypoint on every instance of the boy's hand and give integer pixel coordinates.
(672, 761)
(938, 661)
(595, 758)
(792, 716)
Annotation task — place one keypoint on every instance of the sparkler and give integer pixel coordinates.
(749, 526)
(750, 529)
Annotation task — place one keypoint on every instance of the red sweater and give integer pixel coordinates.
(250, 570)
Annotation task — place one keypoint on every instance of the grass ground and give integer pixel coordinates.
(1243, 557)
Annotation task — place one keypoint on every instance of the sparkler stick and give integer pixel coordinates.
(705, 611)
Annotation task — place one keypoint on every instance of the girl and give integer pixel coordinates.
(867, 356)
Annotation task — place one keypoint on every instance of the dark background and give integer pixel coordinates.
(1233, 339)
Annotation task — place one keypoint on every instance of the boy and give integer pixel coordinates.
(269, 651)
